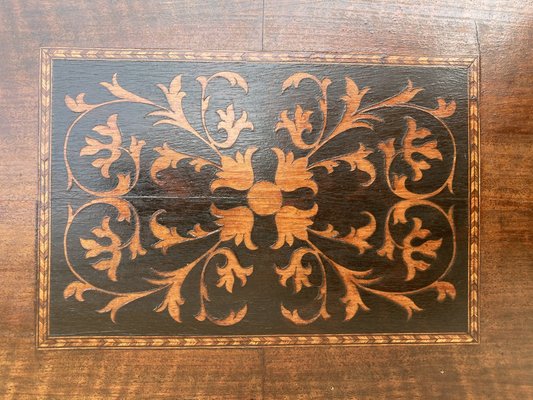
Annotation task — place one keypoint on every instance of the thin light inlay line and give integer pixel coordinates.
(236, 170)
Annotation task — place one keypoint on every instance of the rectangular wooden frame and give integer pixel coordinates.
(45, 341)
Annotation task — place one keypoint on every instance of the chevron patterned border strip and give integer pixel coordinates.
(44, 341)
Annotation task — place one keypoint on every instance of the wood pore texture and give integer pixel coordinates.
(500, 367)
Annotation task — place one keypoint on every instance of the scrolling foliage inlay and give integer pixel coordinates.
(388, 254)
(232, 172)
(293, 174)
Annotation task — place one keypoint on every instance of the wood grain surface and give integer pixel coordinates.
(499, 367)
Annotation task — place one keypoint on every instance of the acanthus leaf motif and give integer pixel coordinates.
(77, 289)
(292, 222)
(301, 124)
(427, 249)
(175, 115)
(389, 151)
(94, 249)
(351, 280)
(227, 121)
(169, 237)
(135, 247)
(428, 149)
(295, 317)
(232, 127)
(167, 158)
(231, 270)
(356, 160)
(444, 290)
(444, 110)
(198, 232)
(124, 213)
(356, 237)
(403, 301)
(297, 126)
(404, 97)
(295, 80)
(78, 105)
(296, 270)
(232, 318)
(293, 174)
(135, 150)
(233, 78)
(352, 98)
(235, 173)
(235, 224)
(352, 118)
(95, 146)
(387, 249)
(119, 92)
(118, 302)
(173, 299)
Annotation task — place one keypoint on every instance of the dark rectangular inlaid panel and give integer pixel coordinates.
(245, 199)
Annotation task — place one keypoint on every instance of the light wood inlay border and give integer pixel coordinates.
(44, 340)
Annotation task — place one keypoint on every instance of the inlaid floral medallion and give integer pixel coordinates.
(257, 199)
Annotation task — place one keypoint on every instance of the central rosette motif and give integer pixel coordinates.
(264, 198)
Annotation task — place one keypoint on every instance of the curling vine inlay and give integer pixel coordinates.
(404, 161)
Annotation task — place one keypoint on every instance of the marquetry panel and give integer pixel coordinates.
(196, 199)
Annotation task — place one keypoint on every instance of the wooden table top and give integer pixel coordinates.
(266, 199)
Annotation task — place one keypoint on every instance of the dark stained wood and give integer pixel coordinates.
(499, 367)
(214, 246)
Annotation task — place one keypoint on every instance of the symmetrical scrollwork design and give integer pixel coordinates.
(415, 248)
(232, 171)
(95, 248)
